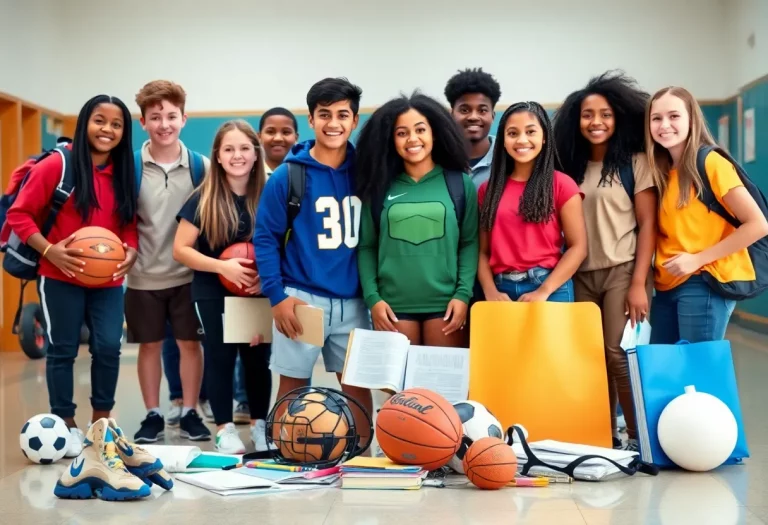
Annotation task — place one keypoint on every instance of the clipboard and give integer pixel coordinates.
(247, 317)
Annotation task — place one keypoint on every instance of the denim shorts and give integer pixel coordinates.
(530, 281)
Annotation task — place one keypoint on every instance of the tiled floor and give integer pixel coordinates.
(727, 496)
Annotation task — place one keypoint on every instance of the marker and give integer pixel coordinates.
(529, 482)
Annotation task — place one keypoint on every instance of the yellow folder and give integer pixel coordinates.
(542, 365)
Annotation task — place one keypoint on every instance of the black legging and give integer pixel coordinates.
(219, 363)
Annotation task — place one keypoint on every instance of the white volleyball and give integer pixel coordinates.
(697, 431)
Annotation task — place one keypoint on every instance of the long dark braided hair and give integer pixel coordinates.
(628, 103)
(537, 203)
(123, 179)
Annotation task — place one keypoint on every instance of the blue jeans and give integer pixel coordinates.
(692, 311)
(171, 361)
(531, 283)
(66, 306)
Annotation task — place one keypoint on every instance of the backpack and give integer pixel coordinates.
(22, 261)
(196, 168)
(758, 251)
(297, 181)
(627, 177)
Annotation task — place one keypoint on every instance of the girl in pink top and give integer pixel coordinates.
(530, 214)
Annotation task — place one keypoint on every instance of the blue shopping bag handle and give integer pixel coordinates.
(683, 342)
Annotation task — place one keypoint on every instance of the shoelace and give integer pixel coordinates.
(111, 458)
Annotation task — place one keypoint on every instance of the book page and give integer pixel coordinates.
(441, 369)
(376, 360)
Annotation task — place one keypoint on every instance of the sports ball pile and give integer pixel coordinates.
(420, 427)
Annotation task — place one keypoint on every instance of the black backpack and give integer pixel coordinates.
(297, 176)
(758, 251)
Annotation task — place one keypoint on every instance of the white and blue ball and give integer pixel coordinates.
(477, 422)
(44, 439)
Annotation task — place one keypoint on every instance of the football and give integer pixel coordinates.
(44, 439)
(476, 422)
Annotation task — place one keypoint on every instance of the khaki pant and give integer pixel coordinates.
(608, 288)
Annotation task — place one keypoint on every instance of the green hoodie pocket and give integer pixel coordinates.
(416, 222)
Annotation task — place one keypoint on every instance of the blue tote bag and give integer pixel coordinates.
(660, 373)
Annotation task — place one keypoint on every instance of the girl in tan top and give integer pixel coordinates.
(599, 132)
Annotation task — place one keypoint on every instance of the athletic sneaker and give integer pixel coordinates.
(259, 436)
(174, 414)
(152, 429)
(76, 439)
(205, 410)
(632, 445)
(228, 440)
(242, 414)
(138, 461)
(617, 445)
(193, 428)
(98, 471)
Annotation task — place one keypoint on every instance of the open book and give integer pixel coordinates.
(387, 361)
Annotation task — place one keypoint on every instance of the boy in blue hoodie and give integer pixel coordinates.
(318, 264)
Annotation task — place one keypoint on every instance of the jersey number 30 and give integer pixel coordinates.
(348, 234)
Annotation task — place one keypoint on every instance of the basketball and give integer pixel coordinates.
(419, 427)
(102, 252)
(239, 250)
(490, 463)
(314, 428)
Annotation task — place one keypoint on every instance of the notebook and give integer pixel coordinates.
(179, 458)
(659, 373)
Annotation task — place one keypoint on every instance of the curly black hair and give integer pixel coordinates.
(378, 162)
(537, 204)
(472, 81)
(628, 102)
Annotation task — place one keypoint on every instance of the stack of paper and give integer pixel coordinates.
(380, 474)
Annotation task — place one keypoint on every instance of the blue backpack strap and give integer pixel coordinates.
(138, 169)
(627, 177)
(196, 167)
(455, 182)
(62, 192)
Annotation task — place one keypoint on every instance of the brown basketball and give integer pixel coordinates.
(490, 463)
(419, 427)
(313, 428)
(239, 250)
(102, 252)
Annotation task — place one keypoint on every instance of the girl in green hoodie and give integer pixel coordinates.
(418, 246)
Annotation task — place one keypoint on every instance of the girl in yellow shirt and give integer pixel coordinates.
(692, 239)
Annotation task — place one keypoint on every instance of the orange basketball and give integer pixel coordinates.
(490, 463)
(419, 427)
(102, 252)
(239, 250)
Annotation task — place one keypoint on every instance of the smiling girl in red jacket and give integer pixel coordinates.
(104, 195)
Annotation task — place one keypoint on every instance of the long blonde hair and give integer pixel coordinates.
(217, 210)
(659, 158)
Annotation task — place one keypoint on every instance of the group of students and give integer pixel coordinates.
(403, 231)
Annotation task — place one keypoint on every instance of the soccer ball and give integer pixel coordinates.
(44, 439)
(476, 423)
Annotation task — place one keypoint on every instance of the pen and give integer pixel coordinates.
(231, 467)
(275, 466)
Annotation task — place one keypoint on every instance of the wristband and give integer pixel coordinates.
(46, 249)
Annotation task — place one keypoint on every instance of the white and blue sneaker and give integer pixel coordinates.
(99, 472)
